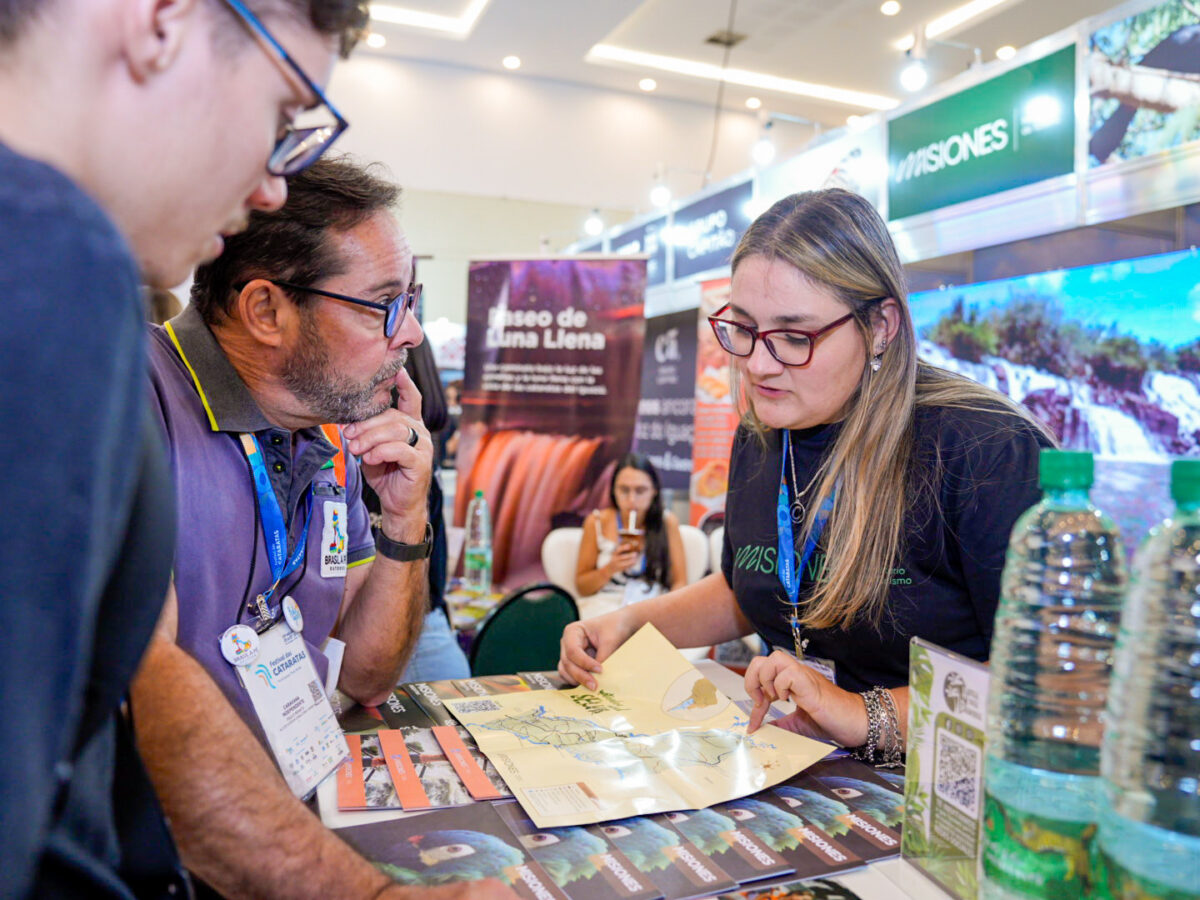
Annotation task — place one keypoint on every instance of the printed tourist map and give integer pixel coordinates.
(655, 736)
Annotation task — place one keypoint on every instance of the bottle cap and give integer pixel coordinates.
(1185, 481)
(478, 492)
(1064, 470)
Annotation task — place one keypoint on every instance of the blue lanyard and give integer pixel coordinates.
(274, 529)
(789, 576)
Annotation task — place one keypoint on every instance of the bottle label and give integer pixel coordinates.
(1036, 856)
(1115, 882)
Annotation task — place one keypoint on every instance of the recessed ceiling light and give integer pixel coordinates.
(890, 8)
(1008, 51)
(511, 62)
(647, 84)
(753, 103)
(375, 40)
(854, 121)
(744, 77)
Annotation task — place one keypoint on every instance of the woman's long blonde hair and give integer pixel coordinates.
(837, 240)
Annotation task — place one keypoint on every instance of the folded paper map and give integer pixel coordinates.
(654, 736)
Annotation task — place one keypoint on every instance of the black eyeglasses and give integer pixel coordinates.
(393, 311)
(793, 347)
(301, 143)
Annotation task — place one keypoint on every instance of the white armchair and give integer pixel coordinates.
(560, 555)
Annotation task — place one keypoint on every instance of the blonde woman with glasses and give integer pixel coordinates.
(871, 494)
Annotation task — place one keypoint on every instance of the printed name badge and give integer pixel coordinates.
(825, 667)
(333, 541)
(294, 710)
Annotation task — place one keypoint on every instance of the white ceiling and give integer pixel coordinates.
(845, 44)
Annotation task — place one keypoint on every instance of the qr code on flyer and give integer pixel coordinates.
(477, 706)
(957, 772)
(314, 688)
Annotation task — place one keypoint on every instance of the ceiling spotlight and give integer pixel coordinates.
(660, 195)
(376, 41)
(763, 150)
(854, 121)
(753, 103)
(914, 76)
(647, 84)
(593, 225)
(511, 62)
(890, 8)
(1008, 51)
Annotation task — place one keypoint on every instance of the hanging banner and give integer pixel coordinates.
(549, 394)
(716, 414)
(649, 238)
(1142, 80)
(667, 408)
(705, 233)
(1015, 129)
(856, 161)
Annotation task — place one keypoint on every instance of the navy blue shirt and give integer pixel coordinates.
(974, 473)
(87, 546)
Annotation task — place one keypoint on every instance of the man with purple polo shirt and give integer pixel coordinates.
(305, 319)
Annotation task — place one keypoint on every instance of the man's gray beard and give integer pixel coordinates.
(328, 396)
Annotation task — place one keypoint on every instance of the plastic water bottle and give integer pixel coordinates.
(1149, 837)
(477, 554)
(1060, 600)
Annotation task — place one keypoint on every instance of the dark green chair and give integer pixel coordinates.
(522, 633)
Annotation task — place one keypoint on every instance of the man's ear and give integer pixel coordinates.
(153, 32)
(266, 312)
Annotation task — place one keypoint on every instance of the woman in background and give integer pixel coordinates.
(637, 566)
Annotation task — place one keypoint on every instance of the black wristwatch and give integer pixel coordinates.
(401, 552)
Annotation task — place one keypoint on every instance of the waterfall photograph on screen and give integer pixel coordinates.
(1107, 355)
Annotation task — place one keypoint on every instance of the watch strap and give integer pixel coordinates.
(401, 552)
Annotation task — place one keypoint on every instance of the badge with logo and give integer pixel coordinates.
(293, 708)
(291, 612)
(239, 645)
(334, 552)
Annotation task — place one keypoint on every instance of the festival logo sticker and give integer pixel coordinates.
(334, 553)
(239, 645)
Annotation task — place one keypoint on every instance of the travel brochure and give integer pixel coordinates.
(410, 755)
(836, 816)
(655, 735)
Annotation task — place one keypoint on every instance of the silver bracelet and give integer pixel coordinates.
(884, 744)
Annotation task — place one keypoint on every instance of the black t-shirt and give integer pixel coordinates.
(88, 541)
(946, 583)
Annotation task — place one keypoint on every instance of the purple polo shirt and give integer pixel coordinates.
(221, 562)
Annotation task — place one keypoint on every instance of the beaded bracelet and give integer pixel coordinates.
(884, 743)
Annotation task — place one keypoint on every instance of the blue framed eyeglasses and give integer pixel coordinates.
(300, 144)
(393, 311)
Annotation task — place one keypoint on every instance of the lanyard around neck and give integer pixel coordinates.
(274, 530)
(789, 574)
